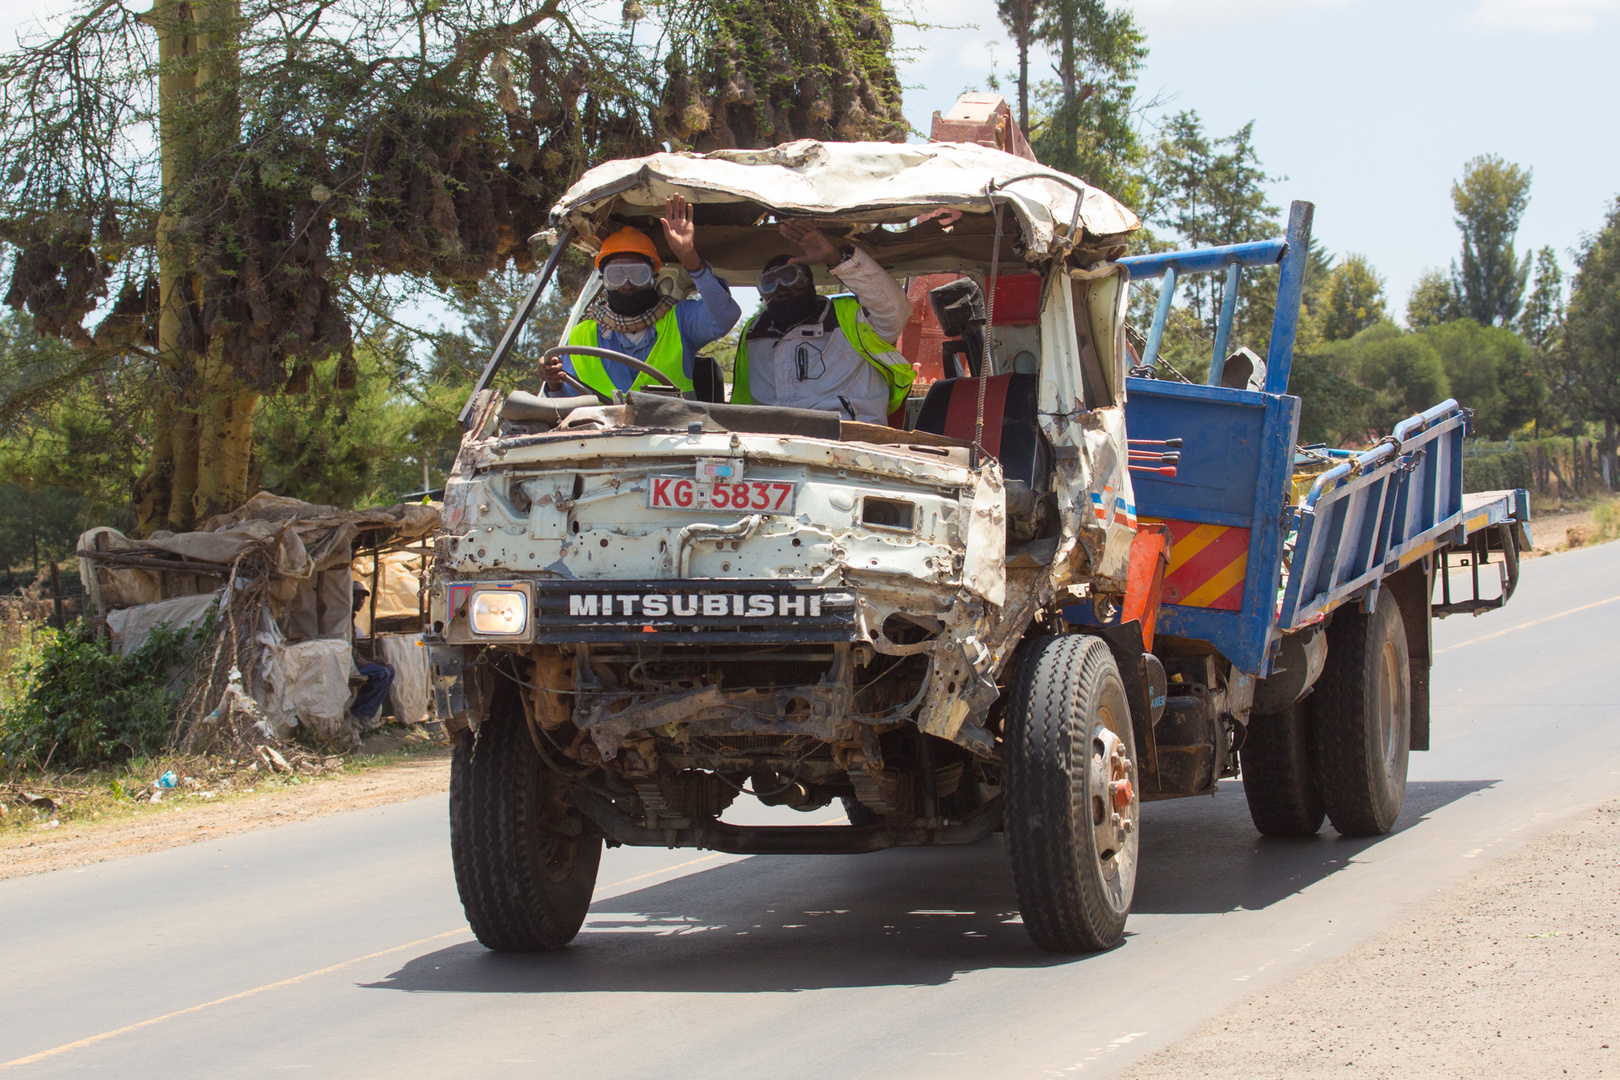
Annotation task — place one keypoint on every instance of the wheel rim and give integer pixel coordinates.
(1112, 803)
(1389, 688)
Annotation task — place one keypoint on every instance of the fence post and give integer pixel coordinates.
(57, 621)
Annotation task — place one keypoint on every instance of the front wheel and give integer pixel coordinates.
(525, 866)
(1072, 808)
(1364, 719)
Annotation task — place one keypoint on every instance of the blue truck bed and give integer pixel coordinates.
(1253, 556)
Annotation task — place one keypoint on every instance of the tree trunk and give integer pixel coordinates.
(1023, 66)
(1067, 25)
(199, 461)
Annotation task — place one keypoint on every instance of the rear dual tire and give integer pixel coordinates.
(1342, 753)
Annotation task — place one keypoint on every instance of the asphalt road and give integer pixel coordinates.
(338, 946)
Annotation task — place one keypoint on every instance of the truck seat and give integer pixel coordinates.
(1012, 436)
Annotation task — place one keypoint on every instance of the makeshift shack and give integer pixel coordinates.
(281, 651)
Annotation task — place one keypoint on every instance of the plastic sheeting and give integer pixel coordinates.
(131, 626)
(409, 694)
(311, 547)
(316, 677)
(398, 587)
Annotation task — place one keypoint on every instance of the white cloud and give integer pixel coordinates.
(1544, 16)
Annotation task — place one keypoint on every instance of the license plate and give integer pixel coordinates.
(685, 493)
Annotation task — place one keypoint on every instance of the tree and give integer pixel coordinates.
(1355, 299)
(1489, 369)
(1432, 301)
(1212, 191)
(1541, 324)
(1018, 16)
(1592, 325)
(1489, 200)
(1397, 374)
(1086, 124)
(242, 178)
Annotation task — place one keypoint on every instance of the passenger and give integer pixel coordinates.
(632, 317)
(833, 353)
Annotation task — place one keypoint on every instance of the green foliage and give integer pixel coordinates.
(1433, 300)
(342, 447)
(86, 705)
(1395, 375)
(1355, 299)
(1500, 471)
(1212, 191)
(1489, 370)
(69, 445)
(1084, 123)
(1490, 199)
(1593, 324)
(1330, 400)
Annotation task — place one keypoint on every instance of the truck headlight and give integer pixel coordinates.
(504, 613)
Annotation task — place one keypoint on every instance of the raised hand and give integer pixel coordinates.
(680, 233)
(817, 247)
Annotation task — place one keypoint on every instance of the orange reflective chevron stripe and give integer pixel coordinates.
(1208, 566)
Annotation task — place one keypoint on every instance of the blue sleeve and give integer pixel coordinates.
(709, 315)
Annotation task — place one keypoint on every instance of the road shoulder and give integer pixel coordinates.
(43, 849)
(1512, 973)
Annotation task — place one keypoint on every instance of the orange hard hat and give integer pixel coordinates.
(628, 241)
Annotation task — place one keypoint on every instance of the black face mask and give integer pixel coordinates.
(788, 311)
(631, 303)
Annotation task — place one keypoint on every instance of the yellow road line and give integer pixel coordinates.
(105, 1035)
(1527, 625)
(665, 870)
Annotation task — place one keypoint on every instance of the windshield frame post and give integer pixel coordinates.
(515, 327)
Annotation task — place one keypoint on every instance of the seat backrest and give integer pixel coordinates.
(1011, 424)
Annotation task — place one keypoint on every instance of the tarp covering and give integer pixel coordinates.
(872, 182)
(409, 693)
(310, 548)
(398, 587)
(130, 627)
(292, 567)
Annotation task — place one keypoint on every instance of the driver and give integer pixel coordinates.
(633, 317)
(816, 352)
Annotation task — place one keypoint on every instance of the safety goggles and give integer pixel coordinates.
(618, 275)
(781, 277)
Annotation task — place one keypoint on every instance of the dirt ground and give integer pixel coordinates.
(1516, 973)
(76, 844)
(1551, 526)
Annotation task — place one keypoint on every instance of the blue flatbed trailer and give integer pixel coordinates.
(1270, 541)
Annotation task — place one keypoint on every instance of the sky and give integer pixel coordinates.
(1369, 108)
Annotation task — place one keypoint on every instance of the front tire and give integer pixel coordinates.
(1279, 773)
(1364, 719)
(525, 882)
(1072, 805)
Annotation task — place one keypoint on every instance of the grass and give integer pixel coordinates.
(101, 795)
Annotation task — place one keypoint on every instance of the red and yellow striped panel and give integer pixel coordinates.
(1207, 566)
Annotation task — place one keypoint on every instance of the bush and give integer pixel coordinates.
(86, 705)
(1497, 472)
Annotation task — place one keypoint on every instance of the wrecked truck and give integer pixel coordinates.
(643, 608)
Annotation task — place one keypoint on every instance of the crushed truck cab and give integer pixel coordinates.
(646, 604)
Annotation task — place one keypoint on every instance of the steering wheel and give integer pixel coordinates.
(605, 354)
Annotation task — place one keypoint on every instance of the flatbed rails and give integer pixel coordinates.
(1270, 539)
